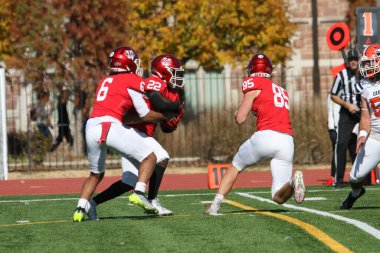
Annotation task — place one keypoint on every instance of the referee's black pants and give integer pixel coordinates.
(346, 140)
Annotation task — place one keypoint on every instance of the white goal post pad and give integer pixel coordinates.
(3, 128)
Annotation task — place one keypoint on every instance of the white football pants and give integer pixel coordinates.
(366, 160)
(126, 140)
(268, 144)
(130, 165)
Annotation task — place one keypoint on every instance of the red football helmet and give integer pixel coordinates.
(369, 63)
(260, 65)
(125, 59)
(169, 69)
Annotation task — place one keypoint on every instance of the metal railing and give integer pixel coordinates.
(207, 132)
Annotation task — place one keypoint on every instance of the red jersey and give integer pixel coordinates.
(112, 97)
(155, 83)
(271, 106)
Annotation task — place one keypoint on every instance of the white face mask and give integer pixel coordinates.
(139, 70)
(369, 66)
(177, 79)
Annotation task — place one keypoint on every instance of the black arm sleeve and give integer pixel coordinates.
(161, 103)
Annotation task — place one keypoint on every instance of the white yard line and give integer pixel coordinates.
(121, 197)
(347, 189)
(359, 224)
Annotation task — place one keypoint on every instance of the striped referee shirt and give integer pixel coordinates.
(344, 85)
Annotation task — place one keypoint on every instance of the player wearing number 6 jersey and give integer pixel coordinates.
(368, 144)
(118, 93)
(270, 104)
(165, 92)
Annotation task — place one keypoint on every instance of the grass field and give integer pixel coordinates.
(251, 223)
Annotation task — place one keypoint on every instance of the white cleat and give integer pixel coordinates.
(213, 210)
(299, 187)
(92, 215)
(162, 211)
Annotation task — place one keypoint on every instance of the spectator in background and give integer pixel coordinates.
(349, 114)
(41, 113)
(83, 104)
(332, 124)
(63, 120)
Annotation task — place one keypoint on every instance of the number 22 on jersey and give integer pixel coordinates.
(153, 85)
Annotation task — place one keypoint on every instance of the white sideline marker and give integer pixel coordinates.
(359, 224)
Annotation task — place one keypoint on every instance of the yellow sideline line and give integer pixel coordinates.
(32, 223)
(312, 230)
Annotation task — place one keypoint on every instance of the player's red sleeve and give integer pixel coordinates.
(251, 83)
(136, 83)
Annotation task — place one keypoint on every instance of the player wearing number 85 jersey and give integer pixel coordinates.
(270, 104)
(118, 93)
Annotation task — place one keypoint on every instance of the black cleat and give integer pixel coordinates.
(350, 200)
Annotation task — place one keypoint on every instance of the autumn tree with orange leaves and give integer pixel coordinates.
(212, 32)
(72, 38)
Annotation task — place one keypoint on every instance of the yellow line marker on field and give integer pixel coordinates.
(312, 230)
(24, 223)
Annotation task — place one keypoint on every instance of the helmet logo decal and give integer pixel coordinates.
(166, 61)
(111, 54)
(130, 54)
(260, 56)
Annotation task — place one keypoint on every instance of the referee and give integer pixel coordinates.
(349, 115)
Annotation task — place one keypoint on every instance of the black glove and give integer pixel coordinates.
(333, 135)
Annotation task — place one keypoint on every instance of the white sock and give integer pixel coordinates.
(218, 199)
(83, 203)
(140, 186)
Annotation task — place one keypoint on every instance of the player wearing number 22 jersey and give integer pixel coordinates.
(273, 138)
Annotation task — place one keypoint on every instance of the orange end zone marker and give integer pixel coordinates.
(373, 176)
(215, 174)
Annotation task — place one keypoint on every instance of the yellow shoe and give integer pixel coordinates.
(141, 201)
(79, 214)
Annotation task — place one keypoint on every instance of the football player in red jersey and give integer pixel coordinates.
(116, 94)
(273, 138)
(164, 90)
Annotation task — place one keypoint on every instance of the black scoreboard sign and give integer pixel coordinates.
(367, 26)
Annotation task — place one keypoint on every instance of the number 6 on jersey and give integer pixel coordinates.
(102, 93)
